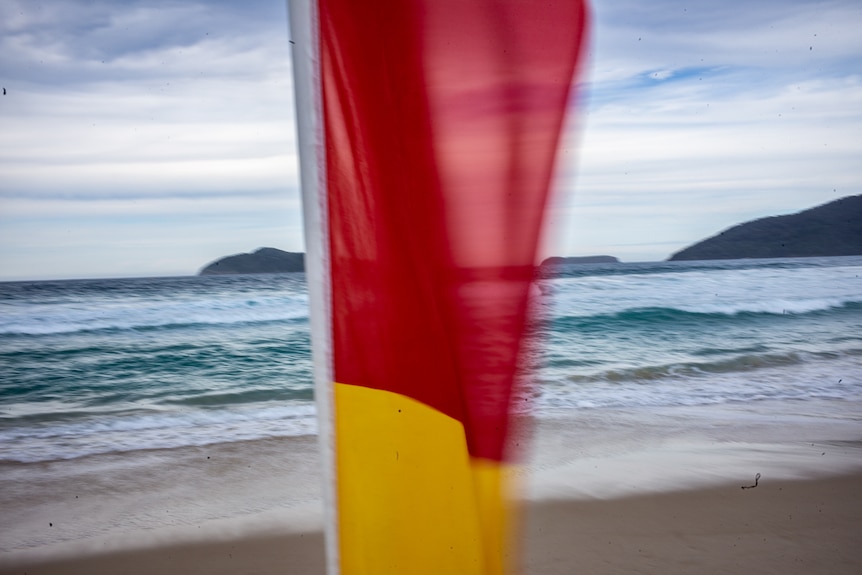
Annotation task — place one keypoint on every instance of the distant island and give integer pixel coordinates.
(556, 260)
(833, 229)
(551, 267)
(261, 261)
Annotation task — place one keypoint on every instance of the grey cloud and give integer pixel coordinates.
(76, 42)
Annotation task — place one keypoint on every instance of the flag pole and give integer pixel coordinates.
(304, 44)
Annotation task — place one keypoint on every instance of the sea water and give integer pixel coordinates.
(110, 366)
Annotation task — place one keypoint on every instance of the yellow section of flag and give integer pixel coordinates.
(411, 499)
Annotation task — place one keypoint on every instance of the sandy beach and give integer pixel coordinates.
(611, 492)
(782, 527)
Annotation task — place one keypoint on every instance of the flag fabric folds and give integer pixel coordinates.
(428, 132)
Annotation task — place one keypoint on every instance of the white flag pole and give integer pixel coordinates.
(304, 43)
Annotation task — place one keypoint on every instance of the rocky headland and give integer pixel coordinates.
(833, 229)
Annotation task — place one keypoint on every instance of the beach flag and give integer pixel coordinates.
(427, 133)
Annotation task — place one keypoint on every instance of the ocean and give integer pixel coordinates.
(120, 365)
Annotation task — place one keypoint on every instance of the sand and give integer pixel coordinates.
(632, 491)
(782, 527)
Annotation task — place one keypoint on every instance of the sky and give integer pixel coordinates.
(151, 137)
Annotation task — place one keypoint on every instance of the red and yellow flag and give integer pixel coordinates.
(428, 132)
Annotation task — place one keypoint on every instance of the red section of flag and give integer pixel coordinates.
(442, 119)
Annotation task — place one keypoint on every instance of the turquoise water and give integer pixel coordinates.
(105, 366)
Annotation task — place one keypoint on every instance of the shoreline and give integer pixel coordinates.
(782, 526)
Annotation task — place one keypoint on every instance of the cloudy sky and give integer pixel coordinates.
(149, 137)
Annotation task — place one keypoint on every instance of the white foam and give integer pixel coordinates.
(154, 430)
(44, 319)
(727, 291)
